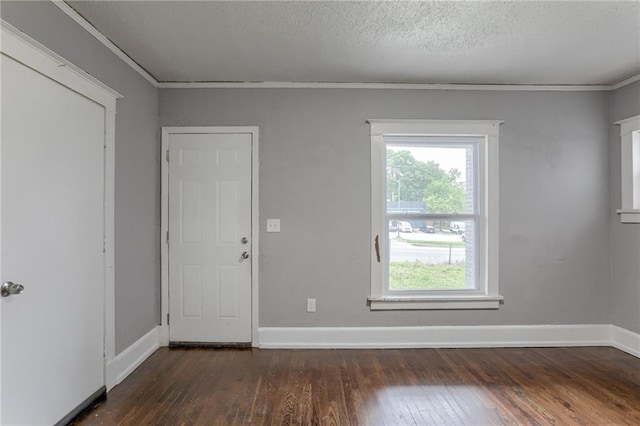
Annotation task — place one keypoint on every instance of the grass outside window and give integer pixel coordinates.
(421, 276)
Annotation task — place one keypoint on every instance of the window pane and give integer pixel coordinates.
(430, 179)
(431, 255)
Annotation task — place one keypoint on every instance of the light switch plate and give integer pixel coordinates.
(273, 225)
(311, 305)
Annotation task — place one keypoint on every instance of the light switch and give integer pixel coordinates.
(273, 225)
(311, 305)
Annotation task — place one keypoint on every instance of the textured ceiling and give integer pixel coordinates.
(483, 42)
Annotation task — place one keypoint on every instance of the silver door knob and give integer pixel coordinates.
(10, 288)
(244, 256)
(244, 240)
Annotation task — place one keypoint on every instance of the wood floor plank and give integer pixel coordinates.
(484, 386)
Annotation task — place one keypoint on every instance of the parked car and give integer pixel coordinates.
(428, 229)
(456, 227)
(405, 227)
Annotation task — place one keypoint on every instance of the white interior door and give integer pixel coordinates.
(52, 244)
(210, 237)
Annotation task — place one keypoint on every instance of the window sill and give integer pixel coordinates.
(391, 303)
(629, 215)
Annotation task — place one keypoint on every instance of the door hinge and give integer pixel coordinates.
(167, 156)
(167, 319)
(167, 237)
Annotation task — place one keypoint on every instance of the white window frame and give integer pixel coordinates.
(630, 169)
(487, 295)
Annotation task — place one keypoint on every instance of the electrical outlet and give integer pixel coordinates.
(311, 305)
(273, 225)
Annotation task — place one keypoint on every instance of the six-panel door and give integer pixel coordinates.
(210, 238)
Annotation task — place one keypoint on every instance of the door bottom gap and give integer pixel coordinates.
(212, 345)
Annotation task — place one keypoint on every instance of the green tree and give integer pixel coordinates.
(445, 196)
(406, 177)
(411, 180)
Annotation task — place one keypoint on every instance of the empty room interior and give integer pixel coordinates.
(320, 212)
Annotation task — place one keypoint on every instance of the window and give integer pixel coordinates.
(434, 214)
(630, 169)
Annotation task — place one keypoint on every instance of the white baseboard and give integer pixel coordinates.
(625, 340)
(163, 334)
(435, 337)
(129, 359)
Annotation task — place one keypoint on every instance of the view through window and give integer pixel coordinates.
(432, 212)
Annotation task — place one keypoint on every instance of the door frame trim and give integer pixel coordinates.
(255, 220)
(29, 52)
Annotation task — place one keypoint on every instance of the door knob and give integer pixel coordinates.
(244, 240)
(244, 256)
(10, 288)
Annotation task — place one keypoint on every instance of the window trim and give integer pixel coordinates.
(629, 167)
(487, 295)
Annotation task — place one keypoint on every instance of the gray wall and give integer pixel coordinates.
(625, 238)
(559, 160)
(314, 175)
(137, 188)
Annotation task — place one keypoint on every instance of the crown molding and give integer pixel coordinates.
(396, 86)
(625, 82)
(69, 11)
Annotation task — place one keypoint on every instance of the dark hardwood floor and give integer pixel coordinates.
(563, 386)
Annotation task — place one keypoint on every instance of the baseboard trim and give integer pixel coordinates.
(625, 340)
(434, 336)
(129, 359)
(86, 405)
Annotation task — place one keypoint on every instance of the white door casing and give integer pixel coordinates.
(209, 219)
(56, 232)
